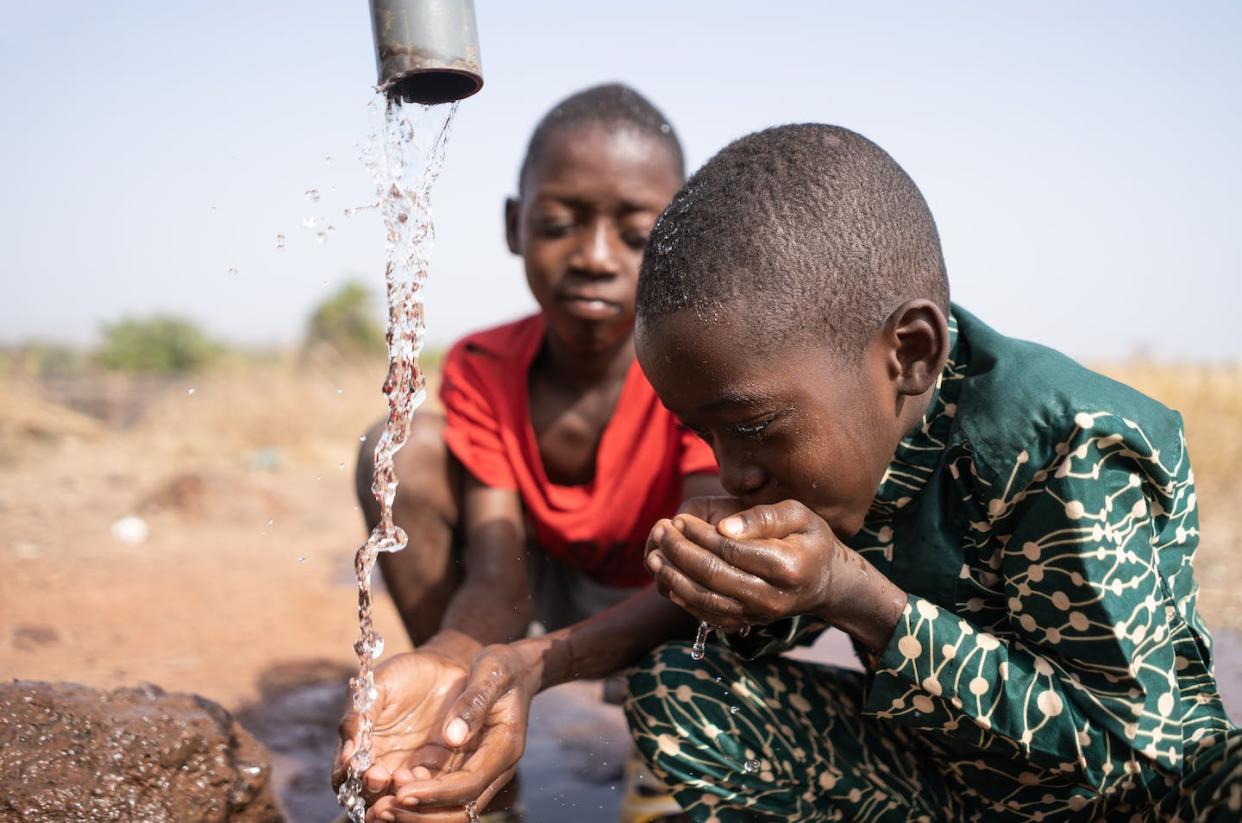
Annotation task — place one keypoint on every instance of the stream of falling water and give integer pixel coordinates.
(404, 155)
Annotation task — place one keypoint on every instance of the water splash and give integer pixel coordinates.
(751, 766)
(404, 156)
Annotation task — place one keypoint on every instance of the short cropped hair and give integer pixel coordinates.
(613, 105)
(806, 229)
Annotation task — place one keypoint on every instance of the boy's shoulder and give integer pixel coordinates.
(506, 342)
(1017, 395)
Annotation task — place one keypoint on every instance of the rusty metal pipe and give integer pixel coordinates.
(426, 51)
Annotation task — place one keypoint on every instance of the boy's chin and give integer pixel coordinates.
(591, 336)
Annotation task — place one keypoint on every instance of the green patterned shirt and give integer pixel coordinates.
(1043, 520)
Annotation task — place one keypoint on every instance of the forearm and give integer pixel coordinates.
(608, 641)
(487, 608)
(492, 604)
(866, 605)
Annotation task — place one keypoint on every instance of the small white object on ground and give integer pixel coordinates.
(130, 530)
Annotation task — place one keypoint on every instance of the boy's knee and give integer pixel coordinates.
(660, 667)
(421, 464)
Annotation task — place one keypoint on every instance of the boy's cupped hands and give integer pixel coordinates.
(734, 568)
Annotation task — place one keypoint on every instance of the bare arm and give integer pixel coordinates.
(617, 637)
(493, 603)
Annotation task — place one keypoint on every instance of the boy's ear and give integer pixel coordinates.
(513, 211)
(919, 336)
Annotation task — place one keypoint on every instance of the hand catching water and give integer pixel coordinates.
(415, 692)
(710, 510)
(485, 729)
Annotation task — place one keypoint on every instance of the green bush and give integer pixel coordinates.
(346, 322)
(160, 344)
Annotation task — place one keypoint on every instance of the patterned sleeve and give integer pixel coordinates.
(472, 428)
(777, 637)
(1082, 679)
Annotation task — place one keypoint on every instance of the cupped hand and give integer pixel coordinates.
(486, 729)
(415, 693)
(711, 509)
(753, 566)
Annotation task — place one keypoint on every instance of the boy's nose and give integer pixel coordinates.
(597, 251)
(741, 478)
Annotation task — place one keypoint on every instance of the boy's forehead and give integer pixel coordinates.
(590, 148)
(705, 362)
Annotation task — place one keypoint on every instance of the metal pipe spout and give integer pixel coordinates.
(426, 51)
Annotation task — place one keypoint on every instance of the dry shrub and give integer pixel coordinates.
(30, 420)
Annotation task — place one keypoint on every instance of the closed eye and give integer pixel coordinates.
(753, 431)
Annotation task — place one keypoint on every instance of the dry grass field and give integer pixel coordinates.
(245, 483)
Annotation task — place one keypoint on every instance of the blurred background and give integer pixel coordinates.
(181, 393)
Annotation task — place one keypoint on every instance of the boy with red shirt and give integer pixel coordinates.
(533, 496)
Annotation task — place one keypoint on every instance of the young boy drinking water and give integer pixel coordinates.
(1006, 537)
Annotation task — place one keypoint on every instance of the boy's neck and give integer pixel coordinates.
(585, 369)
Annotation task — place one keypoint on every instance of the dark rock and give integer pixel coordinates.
(70, 752)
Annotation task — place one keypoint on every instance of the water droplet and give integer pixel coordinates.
(280, 242)
(331, 228)
(190, 392)
(301, 558)
(321, 237)
(213, 209)
(270, 522)
(232, 270)
(327, 158)
(312, 195)
(340, 390)
(734, 710)
(665, 128)
(751, 766)
(309, 222)
(362, 438)
(351, 211)
(340, 465)
(699, 650)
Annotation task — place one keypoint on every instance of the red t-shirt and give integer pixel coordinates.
(599, 527)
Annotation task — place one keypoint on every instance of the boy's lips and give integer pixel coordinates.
(589, 308)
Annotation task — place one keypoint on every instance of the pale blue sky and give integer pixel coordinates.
(1082, 159)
